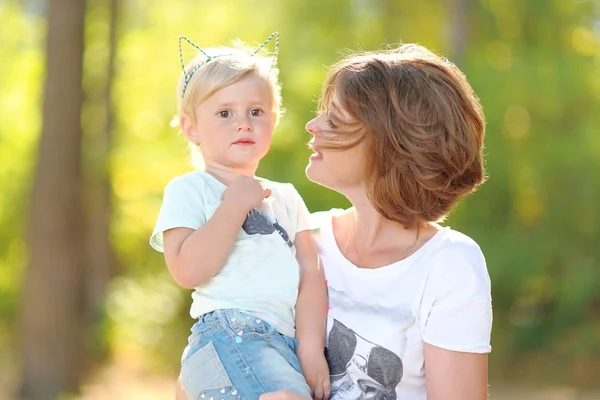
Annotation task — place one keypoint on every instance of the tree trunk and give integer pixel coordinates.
(100, 258)
(457, 29)
(51, 323)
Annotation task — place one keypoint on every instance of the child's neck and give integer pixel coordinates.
(226, 175)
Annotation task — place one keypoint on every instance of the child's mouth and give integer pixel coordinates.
(244, 142)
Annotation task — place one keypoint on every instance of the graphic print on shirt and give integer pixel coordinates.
(361, 369)
(256, 223)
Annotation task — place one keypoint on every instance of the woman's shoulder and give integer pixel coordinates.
(458, 242)
(459, 262)
(322, 219)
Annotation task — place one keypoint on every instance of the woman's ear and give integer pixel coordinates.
(189, 129)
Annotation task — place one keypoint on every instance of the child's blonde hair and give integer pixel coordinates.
(227, 65)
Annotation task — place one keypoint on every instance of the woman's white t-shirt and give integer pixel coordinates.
(380, 318)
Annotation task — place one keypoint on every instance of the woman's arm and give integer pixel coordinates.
(456, 317)
(453, 375)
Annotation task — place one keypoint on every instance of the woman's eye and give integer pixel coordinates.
(256, 112)
(224, 113)
(331, 124)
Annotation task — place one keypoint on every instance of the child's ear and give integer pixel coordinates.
(189, 129)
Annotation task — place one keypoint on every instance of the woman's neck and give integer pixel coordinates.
(370, 240)
(372, 230)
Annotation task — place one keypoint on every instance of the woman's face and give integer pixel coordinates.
(334, 169)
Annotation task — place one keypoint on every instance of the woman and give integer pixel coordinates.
(400, 134)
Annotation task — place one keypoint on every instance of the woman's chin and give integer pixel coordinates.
(319, 174)
(312, 171)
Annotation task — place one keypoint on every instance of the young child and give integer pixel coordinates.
(241, 242)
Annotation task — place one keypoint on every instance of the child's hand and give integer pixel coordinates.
(282, 395)
(316, 372)
(246, 192)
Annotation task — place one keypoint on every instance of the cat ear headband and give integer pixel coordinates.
(189, 75)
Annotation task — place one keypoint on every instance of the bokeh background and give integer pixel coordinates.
(87, 93)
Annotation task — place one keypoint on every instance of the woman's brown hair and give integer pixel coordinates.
(423, 127)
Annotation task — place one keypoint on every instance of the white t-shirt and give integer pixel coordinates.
(380, 318)
(261, 274)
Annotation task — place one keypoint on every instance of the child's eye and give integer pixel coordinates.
(224, 113)
(256, 112)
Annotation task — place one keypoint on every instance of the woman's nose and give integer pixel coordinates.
(311, 126)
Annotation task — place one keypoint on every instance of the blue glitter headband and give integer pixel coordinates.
(189, 75)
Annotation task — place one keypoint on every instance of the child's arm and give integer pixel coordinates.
(195, 256)
(311, 315)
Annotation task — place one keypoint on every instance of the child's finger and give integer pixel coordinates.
(326, 389)
(318, 392)
(268, 193)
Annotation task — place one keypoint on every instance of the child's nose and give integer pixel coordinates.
(244, 125)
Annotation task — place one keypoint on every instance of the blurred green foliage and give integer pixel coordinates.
(535, 64)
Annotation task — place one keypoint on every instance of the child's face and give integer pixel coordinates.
(235, 125)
